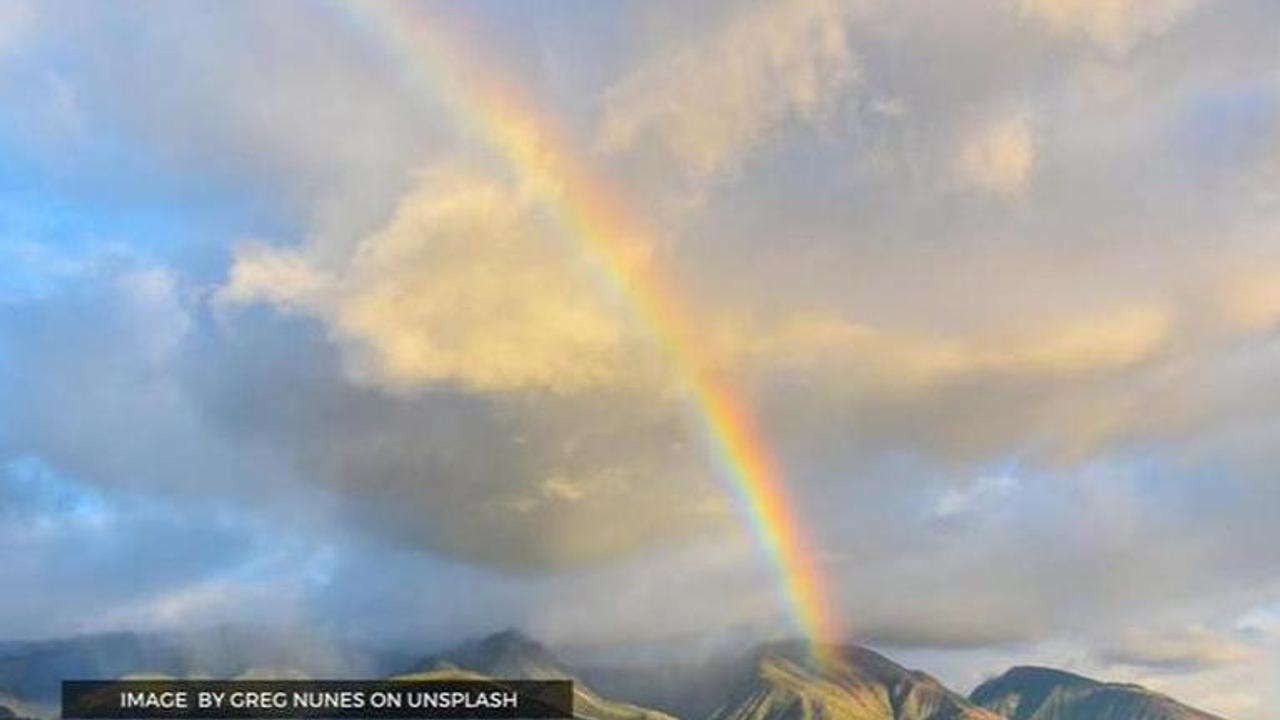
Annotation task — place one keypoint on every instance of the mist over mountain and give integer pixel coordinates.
(687, 688)
(775, 681)
(509, 654)
(14, 709)
(505, 654)
(1038, 693)
(32, 671)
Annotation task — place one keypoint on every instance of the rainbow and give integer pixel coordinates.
(533, 148)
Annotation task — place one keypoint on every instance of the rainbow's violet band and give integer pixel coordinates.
(611, 231)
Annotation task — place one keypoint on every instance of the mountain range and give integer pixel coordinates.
(777, 681)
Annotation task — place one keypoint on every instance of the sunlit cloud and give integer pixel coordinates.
(465, 283)
(1001, 156)
(710, 104)
(1113, 24)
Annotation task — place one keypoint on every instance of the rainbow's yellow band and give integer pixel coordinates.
(612, 232)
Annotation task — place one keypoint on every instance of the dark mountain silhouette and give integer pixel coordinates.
(1037, 693)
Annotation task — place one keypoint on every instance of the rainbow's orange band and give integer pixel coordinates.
(529, 142)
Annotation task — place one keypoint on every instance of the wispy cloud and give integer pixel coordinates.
(1184, 649)
(714, 100)
(1113, 24)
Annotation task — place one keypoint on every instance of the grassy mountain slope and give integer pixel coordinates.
(786, 684)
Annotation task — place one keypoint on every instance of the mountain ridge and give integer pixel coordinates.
(773, 681)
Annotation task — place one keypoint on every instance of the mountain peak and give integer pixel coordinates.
(510, 636)
(842, 660)
(1037, 674)
(855, 683)
(509, 653)
(1028, 692)
(510, 641)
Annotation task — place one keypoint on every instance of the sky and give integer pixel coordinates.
(283, 340)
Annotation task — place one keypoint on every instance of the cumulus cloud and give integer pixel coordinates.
(513, 412)
(236, 407)
(712, 102)
(466, 284)
(523, 480)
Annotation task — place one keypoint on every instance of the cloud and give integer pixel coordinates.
(262, 273)
(256, 410)
(512, 413)
(710, 103)
(1252, 301)
(524, 480)
(467, 284)
(97, 547)
(1001, 156)
(973, 498)
(1188, 649)
(1064, 346)
(89, 97)
(1114, 24)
